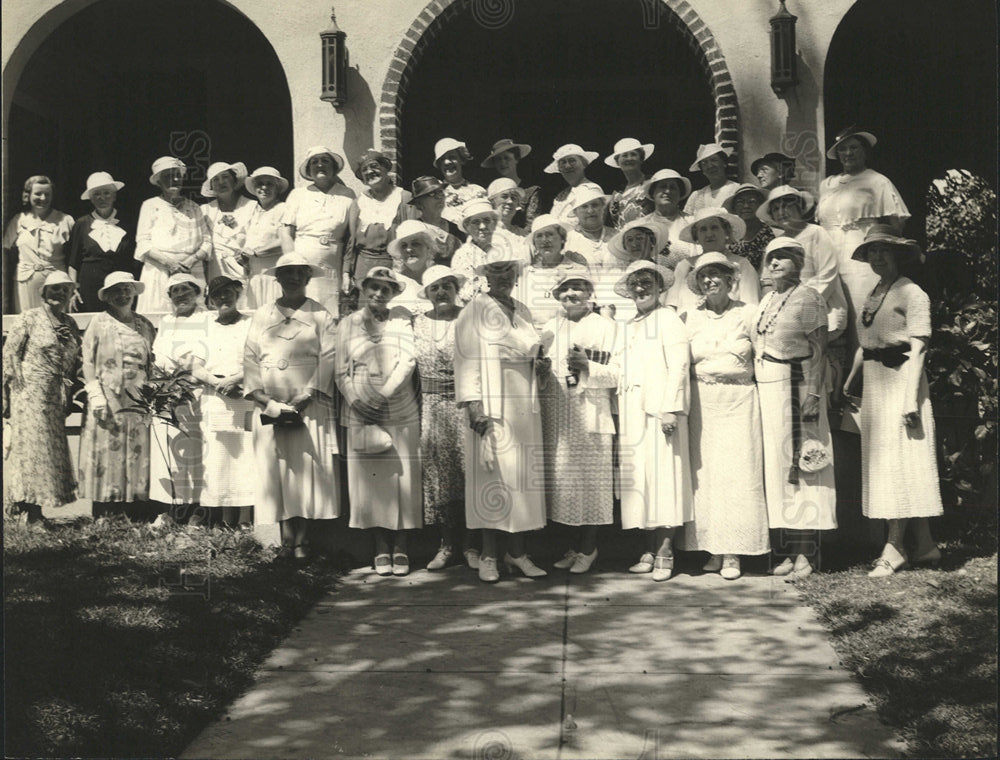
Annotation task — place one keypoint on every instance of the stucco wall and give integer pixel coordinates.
(375, 28)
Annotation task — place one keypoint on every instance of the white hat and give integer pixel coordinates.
(411, 228)
(782, 191)
(660, 234)
(217, 168)
(708, 259)
(476, 207)
(706, 150)
(584, 194)
(319, 150)
(570, 149)
(503, 185)
(786, 243)
(58, 277)
(501, 253)
(162, 164)
(384, 274)
(437, 273)
(569, 272)
(250, 183)
(739, 228)
(100, 179)
(446, 145)
(542, 221)
(294, 259)
(624, 146)
(117, 278)
(621, 287)
(179, 278)
(746, 187)
(665, 174)
(851, 131)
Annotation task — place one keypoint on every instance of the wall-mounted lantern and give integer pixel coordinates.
(784, 69)
(334, 42)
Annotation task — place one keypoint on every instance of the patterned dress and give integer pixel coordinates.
(442, 424)
(456, 196)
(114, 446)
(40, 357)
(753, 249)
(899, 476)
(628, 204)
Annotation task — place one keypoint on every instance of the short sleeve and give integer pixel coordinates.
(918, 312)
(812, 310)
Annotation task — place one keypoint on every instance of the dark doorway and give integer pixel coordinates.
(125, 81)
(922, 76)
(590, 73)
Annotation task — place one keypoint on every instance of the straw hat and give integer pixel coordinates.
(425, 186)
(665, 174)
(570, 149)
(250, 183)
(503, 185)
(660, 234)
(739, 228)
(437, 273)
(624, 146)
(161, 165)
(746, 187)
(384, 274)
(851, 131)
(446, 145)
(179, 278)
(117, 278)
(621, 287)
(788, 244)
(319, 150)
(885, 234)
(100, 179)
(708, 259)
(806, 201)
(295, 260)
(477, 207)
(706, 150)
(502, 146)
(214, 170)
(411, 228)
(584, 194)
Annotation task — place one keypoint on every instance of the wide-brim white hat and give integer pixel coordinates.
(117, 278)
(782, 191)
(624, 146)
(411, 228)
(661, 176)
(584, 194)
(161, 165)
(100, 179)
(214, 170)
(706, 150)
(667, 276)
(250, 183)
(851, 131)
(319, 150)
(707, 259)
(437, 273)
(660, 235)
(570, 149)
(58, 277)
(294, 259)
(503, 185)
(737, 225)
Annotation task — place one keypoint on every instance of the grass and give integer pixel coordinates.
(923, 644)
(111, 651)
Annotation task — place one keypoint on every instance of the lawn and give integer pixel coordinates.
(125, 640)
(923, 644)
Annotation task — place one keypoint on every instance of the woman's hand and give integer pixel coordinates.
(478, 420)
(668, 423)
(911, 414)
(542, 365)
(301, 400)
(75, 301)
(576, 359)
(810, 407)
(229, 386)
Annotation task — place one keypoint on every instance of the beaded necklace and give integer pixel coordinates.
(868, 312)
(769, 326)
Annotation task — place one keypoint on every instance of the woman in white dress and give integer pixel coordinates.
(412, 254)
(849, 204)
(176, 468)
(376, 372)
(571, 161)
(711, 160)
(727, 456)
(288, 372)
(899, 476)
(666, 189)
(508, 200)
(576, 417)
(497, 357)
(589, 235)
(315, 223)
(549, 256)
(650, 362)
(172, 237)
(789, 336)
(263, 240)
(227, 440)
(227, 216)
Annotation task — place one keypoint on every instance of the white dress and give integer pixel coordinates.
(494, 363)
(562, 206)
(320, 222)
(746, 289)
(899, 476)
(229, 235)
(226, 423)
(651, 360)
(727, 455)
(577, 426)
(706, 197)
(263, 244)
(178, 231)
(288, 351)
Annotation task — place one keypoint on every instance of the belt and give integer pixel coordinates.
(285, 364)
(891, 356)
(444, 386)
(713, 380)
(797, 360)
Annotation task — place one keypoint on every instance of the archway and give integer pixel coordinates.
(547, 75)
(922, 76)
(123, 81)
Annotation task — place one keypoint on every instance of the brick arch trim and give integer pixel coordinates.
(436, 15)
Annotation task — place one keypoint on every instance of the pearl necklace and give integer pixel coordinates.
(769, 326)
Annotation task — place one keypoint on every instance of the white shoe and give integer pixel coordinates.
(730, 567)
(663, 568)
(525, 565)
(567, 561)
(583, 562)
(440, 560)
(472, 558)
(714, 564)
(644, 565)
(487, 567)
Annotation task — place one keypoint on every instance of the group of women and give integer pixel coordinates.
(485, 367)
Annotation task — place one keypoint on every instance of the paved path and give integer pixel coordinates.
(606, 665)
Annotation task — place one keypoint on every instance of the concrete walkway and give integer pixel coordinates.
(605, 665)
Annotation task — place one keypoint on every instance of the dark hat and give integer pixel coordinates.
(372, 155)
(786, 164)
(425, 186)
(501, 146)
(220, 282)
(886, 234)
